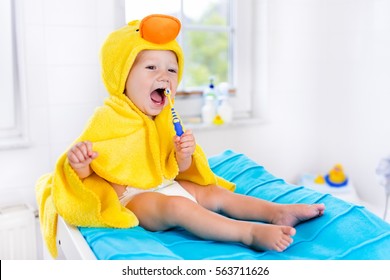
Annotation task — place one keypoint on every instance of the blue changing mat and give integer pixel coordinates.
(345, 231)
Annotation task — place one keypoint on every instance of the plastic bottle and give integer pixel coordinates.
(209, 110)
(225, 109)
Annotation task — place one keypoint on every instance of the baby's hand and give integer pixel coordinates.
(80, 156)
(185, 145)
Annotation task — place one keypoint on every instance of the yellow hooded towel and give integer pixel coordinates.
(133, 149)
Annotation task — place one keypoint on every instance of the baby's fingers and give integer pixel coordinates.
(81, 152)
(186, 144)
(187, 137)
(90, 152)
(78, 153)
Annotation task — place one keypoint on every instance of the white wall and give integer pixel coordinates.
(325, 75)
(328, 90)
(358, 70)
(334, 56)
(62, 40)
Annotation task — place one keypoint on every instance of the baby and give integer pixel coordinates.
(208, 211)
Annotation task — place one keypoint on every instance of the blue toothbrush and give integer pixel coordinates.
(175, 119)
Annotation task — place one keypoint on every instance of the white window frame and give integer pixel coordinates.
(243, 58)
(242, 66)
(14, 135)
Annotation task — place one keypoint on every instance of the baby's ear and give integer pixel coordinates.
(159, 29)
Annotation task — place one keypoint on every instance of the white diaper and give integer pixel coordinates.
(168, 187)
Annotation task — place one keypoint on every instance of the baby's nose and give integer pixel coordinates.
(165, 81)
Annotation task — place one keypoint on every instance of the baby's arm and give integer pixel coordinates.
(185, 147)
(80, 156)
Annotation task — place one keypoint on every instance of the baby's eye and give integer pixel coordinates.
(172, 70)
(151, 67)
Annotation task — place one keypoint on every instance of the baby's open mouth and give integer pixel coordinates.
(158, 96)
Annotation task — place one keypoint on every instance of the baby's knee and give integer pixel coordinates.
(157, 211)
(174, 205)
(210, 197)
(174, 209)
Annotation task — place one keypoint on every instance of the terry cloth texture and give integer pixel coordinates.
(133, 150)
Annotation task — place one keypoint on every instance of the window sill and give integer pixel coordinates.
(14, 143)
(196, 124)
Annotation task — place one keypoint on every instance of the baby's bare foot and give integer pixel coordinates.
(292, 214)
(266, 237)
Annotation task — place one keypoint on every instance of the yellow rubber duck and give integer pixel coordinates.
(336, 176)
(218, 120)
(319, 180)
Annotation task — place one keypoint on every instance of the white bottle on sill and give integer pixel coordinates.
(225, 110)
(208, 110)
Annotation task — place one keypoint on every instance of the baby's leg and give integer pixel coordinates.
(245, 207)
(156, 212)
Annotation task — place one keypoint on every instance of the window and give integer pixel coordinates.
(212, 33)
(12, 106)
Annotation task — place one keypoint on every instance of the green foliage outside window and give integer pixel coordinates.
(207, 49)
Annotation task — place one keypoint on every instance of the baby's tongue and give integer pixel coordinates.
(156, 97)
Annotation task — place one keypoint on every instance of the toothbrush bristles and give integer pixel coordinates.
(167, 93)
